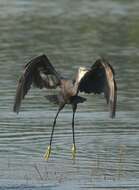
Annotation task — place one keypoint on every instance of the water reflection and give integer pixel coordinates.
(71, 33)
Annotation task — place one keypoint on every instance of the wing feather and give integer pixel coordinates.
(101, 79)
(41, 73)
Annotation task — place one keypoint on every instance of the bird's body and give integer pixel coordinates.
(67, 90)
(67, 94)
(97, 79)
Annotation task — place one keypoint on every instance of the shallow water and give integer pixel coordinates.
(72, 33)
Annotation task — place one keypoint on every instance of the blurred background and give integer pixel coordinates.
(71, 33)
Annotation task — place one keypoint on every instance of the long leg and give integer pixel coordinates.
(74, 107)
(48, 152)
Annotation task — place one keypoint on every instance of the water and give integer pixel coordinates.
(72, 33)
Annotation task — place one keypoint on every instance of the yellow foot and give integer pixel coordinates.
(47, 154)
(73, 151)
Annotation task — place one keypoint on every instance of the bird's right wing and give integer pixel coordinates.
(41, 73)
(101, 79)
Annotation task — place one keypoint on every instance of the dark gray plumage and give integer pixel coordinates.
(100, 78)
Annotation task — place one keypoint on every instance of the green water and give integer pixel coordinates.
(72, 33)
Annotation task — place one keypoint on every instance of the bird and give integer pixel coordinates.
(97, 79)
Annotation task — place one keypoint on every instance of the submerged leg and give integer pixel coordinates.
(48, 152)
(74, 106)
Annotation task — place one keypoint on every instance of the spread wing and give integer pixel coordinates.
(100, 79)
(41, 73)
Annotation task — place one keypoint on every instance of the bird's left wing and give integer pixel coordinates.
(101, 79)
(41, 73)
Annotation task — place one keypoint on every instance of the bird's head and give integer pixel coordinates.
(81, 72)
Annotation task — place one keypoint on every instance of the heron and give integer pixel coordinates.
(99, 78)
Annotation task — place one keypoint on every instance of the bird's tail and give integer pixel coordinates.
(77, 99)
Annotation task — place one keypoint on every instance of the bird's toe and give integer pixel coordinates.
(47, 154)
(73, 151)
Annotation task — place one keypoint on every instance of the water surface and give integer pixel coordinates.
(72, 33)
